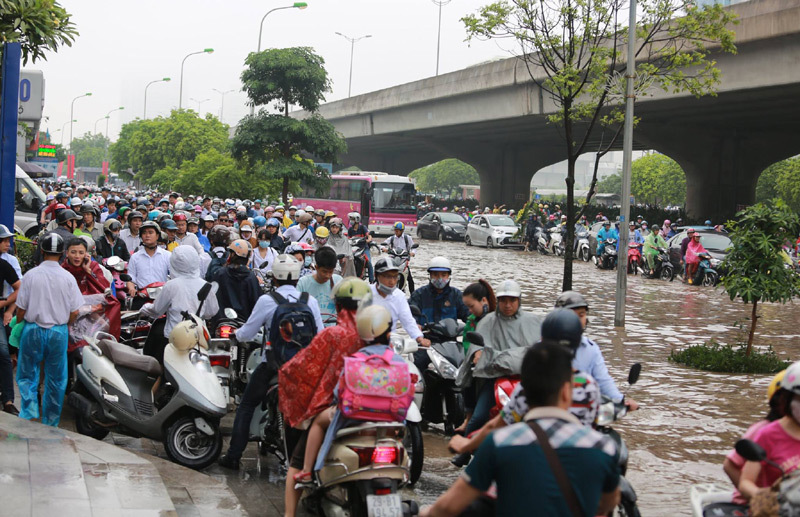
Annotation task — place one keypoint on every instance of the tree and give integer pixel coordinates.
(658, 180)
(273, 146)
(101, 181)
(89, 150)
(755, 267)
(782, 181)
(611, 184)
(445, 176)
(573, 50)
(39, 26)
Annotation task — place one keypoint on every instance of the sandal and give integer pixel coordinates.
(302, 478)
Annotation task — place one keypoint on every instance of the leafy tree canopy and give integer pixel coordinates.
(40, 26)
(658, 180)
(611, 184)
(445, 176)
(286, 76)
(782, 181)
(90, 150)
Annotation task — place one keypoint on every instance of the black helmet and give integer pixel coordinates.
(168, 224)
(384, 265)
(135, 214)
(67, 215)
(219, 235)
(571, 300)
(112, 225)
(150, 224)
(563, 326)
(87, 208)
(52, 243)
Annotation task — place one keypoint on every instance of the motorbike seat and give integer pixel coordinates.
(122, 355)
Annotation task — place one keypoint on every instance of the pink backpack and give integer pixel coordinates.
(375, 388)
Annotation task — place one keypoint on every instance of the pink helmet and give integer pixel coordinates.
(198, 209)
(552, 217)
(666, 222)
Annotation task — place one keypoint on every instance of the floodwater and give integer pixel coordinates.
(688, 419)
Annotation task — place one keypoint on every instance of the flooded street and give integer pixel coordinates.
(688, 419)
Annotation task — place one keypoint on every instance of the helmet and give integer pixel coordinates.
(439, 264)
(230, 203)
(150, 224)
(141, 201)
(4, 233)
(791, 381)
(260, 221)
(304, 217)
(509, 288)
(322, 232)
(67, 215)
(90, 245)
(180, 205)
(309, 209)
(76, 201)
(193, 220)
(189, 334)
(354, 216)
(305, 246)
(571, 300)
(666, 222)
(168, 224)
(552, 217)
(384, 265)
(164, 200)
(330, 213)
(219, 235)
(320, 212)
(198, 209)
(775, 384)
(352, 293)
(564, 326)
(373, 322)
(273, 222)
(294, 248)
(644, 223)
(399, 226)
(336, 221)
(563, 217)
(52, 243)
(87, 208)
(606, 223)
(179, 216)
(112, 225)
(153, 215)
(286, 267)
(245, 227)
(241, 247)
(292, 207)
(135, 214)
(208, 218)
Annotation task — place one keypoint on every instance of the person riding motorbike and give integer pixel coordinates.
(130, 235)
(606, 232)
(321, 284)
(357, 230)
(634, 235)
(182, 234)
(651, 245)
(193, 227)
(220, 237)
(300, 232)
(386, 294)
(341, 245)
(530, 231)
(149, 265)
(276, 240)
(111, 245)
(238, 286)
(321, 236)
(67, 221)
(401, 241)
(693, 251)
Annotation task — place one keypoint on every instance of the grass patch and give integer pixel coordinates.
(715, 357)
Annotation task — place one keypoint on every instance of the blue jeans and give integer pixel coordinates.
(483, 405)
(39, 344)
(6, 375)
(370, 269)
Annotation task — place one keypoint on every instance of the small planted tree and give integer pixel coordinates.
(755, 269)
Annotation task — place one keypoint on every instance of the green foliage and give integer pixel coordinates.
(611, 184)
(445, 176)
(658, 180)
(714, 357)
(272, 147)
(101, 181)
(89, 150)
(147, 146)
(39, 26)
(780, 180)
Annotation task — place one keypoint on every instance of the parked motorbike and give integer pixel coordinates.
(583, 245)
(180, 403)
(608, 256)
(662, 266)
(634, 258)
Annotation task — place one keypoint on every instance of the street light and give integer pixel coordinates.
(296, 5)
(440, 3)
(164, 80)
(72, 114)
(199, 103)
(180, 95)
(96, 121)
(222, 103)
(108, 116)
(352, 49)
(64, 130)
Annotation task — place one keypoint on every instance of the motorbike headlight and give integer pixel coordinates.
(442, 365)
(715, 262)
(605, 414)
(200, 361)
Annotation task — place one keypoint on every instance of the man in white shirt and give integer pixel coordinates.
(386, 294)
(300, 232)
(48, 300)
(152, 263)
(401, 241)
(130, 235)
(183, 237)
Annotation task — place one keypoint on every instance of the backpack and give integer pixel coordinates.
(375, 387)
(292, 328)
(216, 264)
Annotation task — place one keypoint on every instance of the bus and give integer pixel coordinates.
(382, 199)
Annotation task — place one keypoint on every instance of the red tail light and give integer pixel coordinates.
(384, 455)
(224, 331)
(364, 455)
(383, 491)
(220, 360)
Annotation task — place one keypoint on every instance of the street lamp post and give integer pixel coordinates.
(199, 103)
(64, 130)
(96, 121)
(352, 50)
(440, 3)
(108, 116)
(222, 102)
(180, 95)
(164, 80)
(72, 114)
(296, 5)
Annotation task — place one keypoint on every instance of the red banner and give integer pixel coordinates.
(70, 166)
(60, 169)
(105, 169)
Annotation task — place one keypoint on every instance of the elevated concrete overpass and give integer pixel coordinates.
(494, 117)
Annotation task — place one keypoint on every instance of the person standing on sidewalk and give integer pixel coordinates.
(48, 300)
(7, 276)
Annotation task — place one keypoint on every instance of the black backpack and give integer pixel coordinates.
(216, 264)
(292, 328)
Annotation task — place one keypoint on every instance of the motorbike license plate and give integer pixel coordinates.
(384, 505)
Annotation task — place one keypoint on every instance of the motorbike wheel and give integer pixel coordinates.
(401, 282)
(666, 274)
(709, 279)
(188, 446)
(415, 450)
(585, 254)
(467, 240)
(82, 424)
(489, 243)
(628, 509)
(454, 403)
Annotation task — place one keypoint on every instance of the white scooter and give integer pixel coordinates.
(415, 450)
(180, 403)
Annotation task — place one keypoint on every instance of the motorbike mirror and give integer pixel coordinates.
(203, 293)
(475, 338)
(372, 233)
(340, 256)
(230, 313)
(633, 375)
(113, 261)
(125, 277)
(415, 311)
(415, 246)
(750, 450)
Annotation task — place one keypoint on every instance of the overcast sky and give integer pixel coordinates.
(124, 45)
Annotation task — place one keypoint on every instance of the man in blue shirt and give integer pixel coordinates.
(514, 459)
(606, 232)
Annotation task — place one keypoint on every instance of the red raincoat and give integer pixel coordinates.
(97, 284)
(307, 381)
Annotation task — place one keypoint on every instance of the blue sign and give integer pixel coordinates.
(537, 197)
(327, 166)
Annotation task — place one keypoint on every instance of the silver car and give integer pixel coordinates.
(493, 231)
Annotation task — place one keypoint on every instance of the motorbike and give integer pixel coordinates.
(117, 267)
(556, 245)
(706, 275)
(503, 386)
(405, 347)
(541, 238)
(608, 413)
(180, 403)
(360, 247)
(608, 256)
(134, 327)
(634, 258)
(583, 245)
(401, 259)
(441, 401)
(663, 267)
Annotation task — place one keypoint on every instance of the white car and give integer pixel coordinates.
(492, 231)
(28, 199)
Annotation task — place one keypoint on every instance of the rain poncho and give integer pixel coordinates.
(341, 245)
(693, 250)
(652, 243)
(180, 293)
(506, 340)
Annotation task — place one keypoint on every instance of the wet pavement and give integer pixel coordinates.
(688, 419)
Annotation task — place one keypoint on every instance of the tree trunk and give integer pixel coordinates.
(753, 320)
(566, 284)
(285, 193)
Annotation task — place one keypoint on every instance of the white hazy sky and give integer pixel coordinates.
(124, 45)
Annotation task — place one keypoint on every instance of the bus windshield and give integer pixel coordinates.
(393, 197)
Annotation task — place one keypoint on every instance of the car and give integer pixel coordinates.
(28, 199)
(442, 225)
(493, 231)
(716, 243)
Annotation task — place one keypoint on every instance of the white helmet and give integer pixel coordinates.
(286, 267)
(300, 213)
(439, 264)
(188, 334)
(76, 201)
(309, 209)
(509, 288)
(791, 381)
(373, 322)
(229, 203)
(355, 216)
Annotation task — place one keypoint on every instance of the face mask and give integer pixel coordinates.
(385, 289)
(439, 283)
(322, 242)
(263, 244)
(307, 261)
(795, 408)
